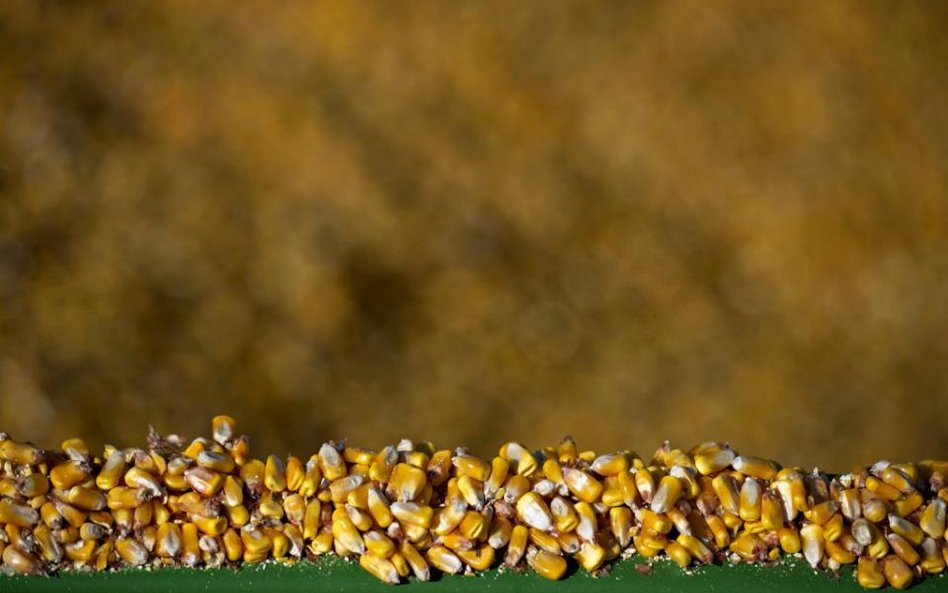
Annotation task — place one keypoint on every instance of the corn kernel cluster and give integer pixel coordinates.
(410, 507)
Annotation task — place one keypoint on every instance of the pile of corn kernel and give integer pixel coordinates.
(410, 507)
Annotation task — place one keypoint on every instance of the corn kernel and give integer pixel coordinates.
(380, 568)
(582, 485)
(869, 575)
(549, 566)
(897, 573)
(443, 559)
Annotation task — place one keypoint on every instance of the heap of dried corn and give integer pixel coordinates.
(410, 507)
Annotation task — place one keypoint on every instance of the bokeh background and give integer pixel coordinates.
(471, 222)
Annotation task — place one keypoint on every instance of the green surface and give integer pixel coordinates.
(333, 574)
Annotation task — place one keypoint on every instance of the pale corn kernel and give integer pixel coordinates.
(534, 512)
(215, 461)
(443, 559)
(472, 491)
(849, 504)
(418, 564)
(750, 500)
(204, 481)
(20, 561)
(168, 540)
(813, 544)
(666, 495)
(906, 529)
(92, 531)
(362, 520)
(896, 572)
(564, 515)
(339, 489)
(588, 523)
(137, 477)
(477, 558)
(549, 566)
(868, 574)
(223, 429)
(17, 514)
(499, 534)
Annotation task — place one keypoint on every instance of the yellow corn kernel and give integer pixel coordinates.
(468, 465)
(122, 497)
(223, 429)
(569, 543)
(380, 567)
(255, 541)
(190, 547)
(882, 490)
(908, 504)
(233, 546)
(932, 556)
(544, 541)
(339, 489)
(839, 553)
(499, 469)
(771, 510)
(896, 572)
(50, 550)
(749, 547)
(211, 526)
(345, 533)
(20, 453)
(932, 519)
(666, 495)
(477, 558)
(67, 474)
(419, 566)
(711, 458)
(281, 543)
(588, 523)
(35, 484)
(655, 522)
(726, 490)
(331, 462)
(515, 487)
(80, 550)
(233, 491)
(378, 544)
(18, 560)
(833, 528)
(566, 451)
(274, 474)
(897, 479)
(620, 522)
(474, 525)
(696, 548)
(789, 540)
(564, 515)
(610, 464)
(630, 494)
(755, 467)
(322, 543)
(311, 479)
(443, 559)
(582, 485)
(86, 499)
(678, 553)
(822, 512)
(406, 482)
(238, 515)
(868, 574)
(359, 498)
(547, 565)
(591, 556)
(902, 548)
(17, 514)
(92, 531)
(439, 467)
(911, 532)
(517, 546)
(472, 491)
(362, 520)
(498, 535)
(379, 508)
(412, 514)
(722, 537)
(111, 473)
(358, 455)
(137, 477)
(456, 541)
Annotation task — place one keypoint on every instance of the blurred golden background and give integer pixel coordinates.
(471, 222)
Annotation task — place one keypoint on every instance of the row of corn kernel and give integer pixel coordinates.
(410, 507)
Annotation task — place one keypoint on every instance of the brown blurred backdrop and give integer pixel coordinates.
(470, 222)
